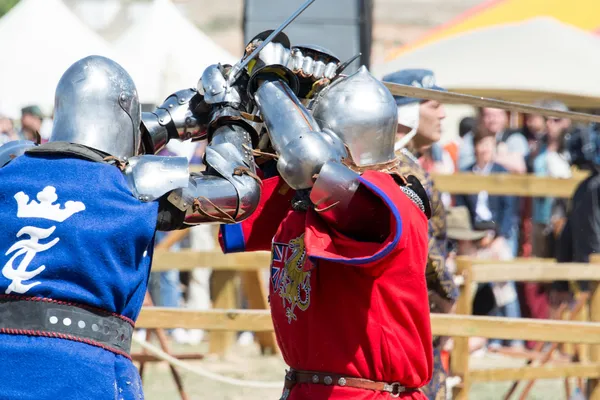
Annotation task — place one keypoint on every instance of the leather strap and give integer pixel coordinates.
(36, 316)
(68, 149)
(293, 377)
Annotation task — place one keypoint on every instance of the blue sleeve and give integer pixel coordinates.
(509, 207)
(232, 238)
(466, 152)
(437, 152)
(517, 143)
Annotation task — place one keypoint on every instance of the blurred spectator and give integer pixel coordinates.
(534, 129)
(31, 119)
(485, 209)
(7, 130)
(512, 147)
(30, 134)
(579, 237)
(465, 126)
(550, 161)
(460, 232)
(463, 241)
(496, 214)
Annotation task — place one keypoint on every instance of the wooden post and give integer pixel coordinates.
(224, 290)
(460, 351)
(254, 288)
(583, 350)
(594, 384)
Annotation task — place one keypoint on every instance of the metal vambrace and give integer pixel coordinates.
(182, 116)
(229, 190)
(295, 135)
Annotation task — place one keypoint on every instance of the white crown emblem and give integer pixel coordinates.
(45, 208)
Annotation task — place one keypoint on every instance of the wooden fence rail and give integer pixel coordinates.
(441, 324)
(526, 185)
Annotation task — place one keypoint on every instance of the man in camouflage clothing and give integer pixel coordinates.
(419, 126)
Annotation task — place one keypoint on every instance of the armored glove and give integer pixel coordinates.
(271, 63)
(228, 104)
(314, 66)
(182, 116)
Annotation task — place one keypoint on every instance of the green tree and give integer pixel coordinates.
(6, 5)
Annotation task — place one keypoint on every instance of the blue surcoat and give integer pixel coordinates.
(71, 231)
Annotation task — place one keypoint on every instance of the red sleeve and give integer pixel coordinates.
(326, 243)
(256, 232)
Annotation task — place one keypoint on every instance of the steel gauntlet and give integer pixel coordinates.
(182, 116)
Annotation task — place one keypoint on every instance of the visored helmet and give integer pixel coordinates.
(97, 105)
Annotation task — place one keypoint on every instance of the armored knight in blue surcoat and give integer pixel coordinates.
(79, 215)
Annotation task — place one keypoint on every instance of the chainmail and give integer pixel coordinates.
(301, 200)
(414, 197)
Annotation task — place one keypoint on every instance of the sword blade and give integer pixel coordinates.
(459, 98)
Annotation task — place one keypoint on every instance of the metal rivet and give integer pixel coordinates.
(328, 380)
(170, 105)
(95, 327)
(181, 101)
(123, 97)
(315, 379)
(81, 324)
(342, 381)
(53, 320)
(67, 321)
(161, 120)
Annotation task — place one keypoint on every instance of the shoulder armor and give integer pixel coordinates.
(149, 177)
(14, 149)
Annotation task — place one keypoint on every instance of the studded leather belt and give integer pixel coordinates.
(294, 377)
(35, 316)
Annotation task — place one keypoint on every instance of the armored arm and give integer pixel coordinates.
(309, 158)
(229, 189)
(302, 148)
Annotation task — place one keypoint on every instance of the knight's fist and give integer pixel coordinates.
(314, 66)
(271, 63)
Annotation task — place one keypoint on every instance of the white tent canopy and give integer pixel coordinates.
(43, 38)
(164, 52)
(521, 62)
